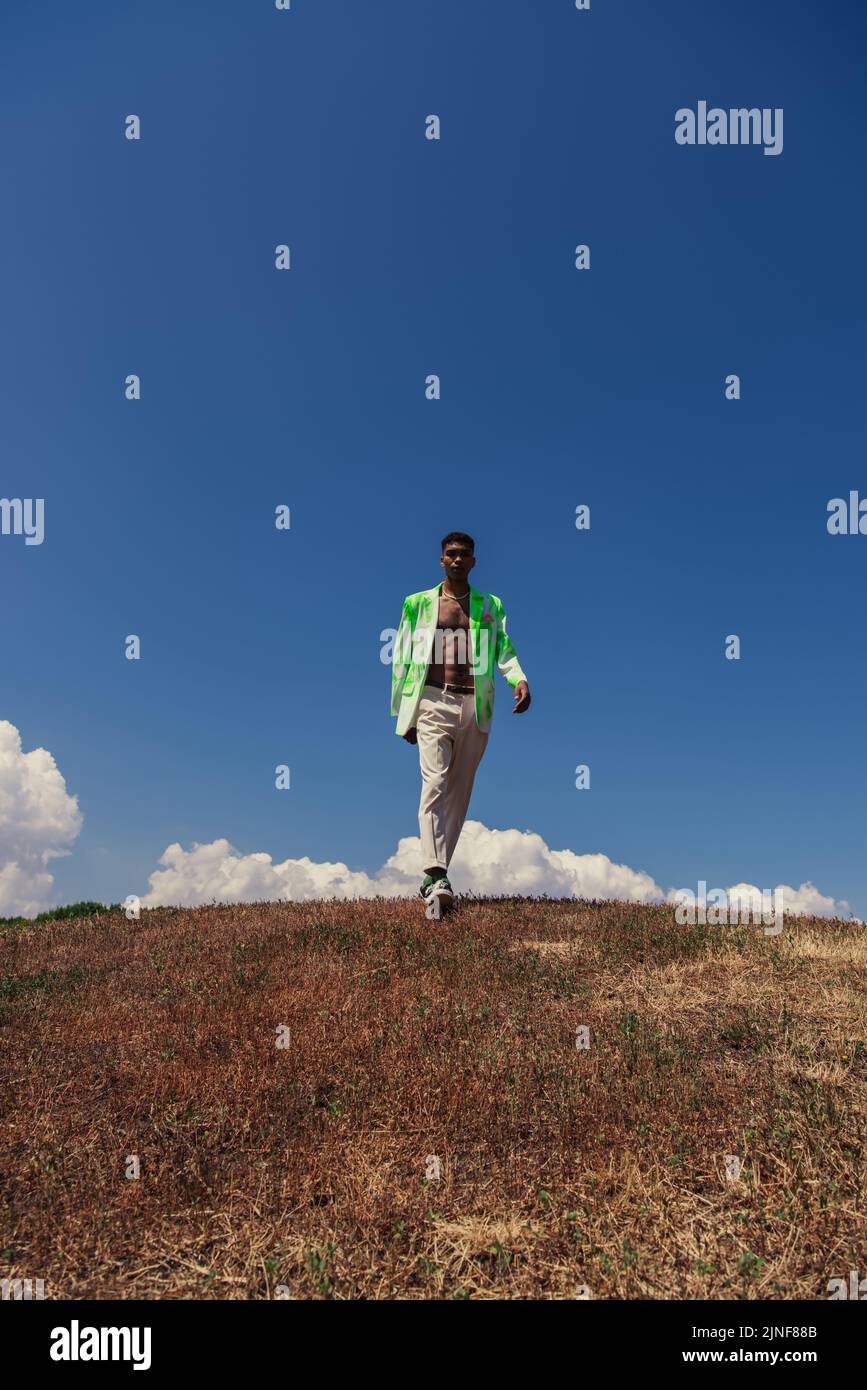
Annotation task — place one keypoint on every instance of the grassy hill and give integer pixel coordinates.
(300, 1170)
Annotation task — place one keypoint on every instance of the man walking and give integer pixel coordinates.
(442, 691)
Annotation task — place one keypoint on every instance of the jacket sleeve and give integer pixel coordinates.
(505, 654)
(401, 656)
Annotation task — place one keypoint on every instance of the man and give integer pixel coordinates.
(442, 691)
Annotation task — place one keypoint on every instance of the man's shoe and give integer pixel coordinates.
(436, 887)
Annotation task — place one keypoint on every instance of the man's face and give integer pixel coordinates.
(457, 561)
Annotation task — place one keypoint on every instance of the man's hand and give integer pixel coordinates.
(522, 697)
(411, 735)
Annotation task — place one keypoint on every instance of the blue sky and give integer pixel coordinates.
(559, 387)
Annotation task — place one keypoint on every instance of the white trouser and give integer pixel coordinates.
(450, 748)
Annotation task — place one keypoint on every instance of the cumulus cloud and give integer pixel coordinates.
(805, 901)
(510, 862)
(218, 872)
(520, 862)
(37, 818)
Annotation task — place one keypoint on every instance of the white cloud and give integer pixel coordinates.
(805, 901)
(37, 817)
(520, 862)
(218, 872)
(508, 862)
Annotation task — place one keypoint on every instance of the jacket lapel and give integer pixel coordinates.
(428, 615)
(477, 605)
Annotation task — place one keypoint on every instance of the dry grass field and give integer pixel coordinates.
(299, 1170)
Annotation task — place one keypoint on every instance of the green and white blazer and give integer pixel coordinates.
(489, 645)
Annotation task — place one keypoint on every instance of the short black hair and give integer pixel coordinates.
(459, 536)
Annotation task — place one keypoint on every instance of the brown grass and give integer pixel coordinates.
(304, 1167)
